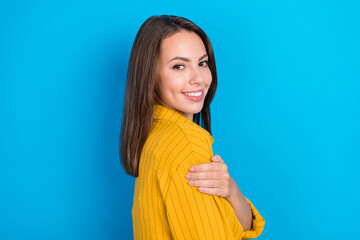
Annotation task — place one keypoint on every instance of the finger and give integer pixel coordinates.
(206, 167)
(206, 176)
(214, 159)
(220, 158)
(206, 183)
(217, 158)
(210, 191)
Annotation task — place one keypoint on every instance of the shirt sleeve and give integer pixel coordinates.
(195, 215)
(258, 223)
(192, 214)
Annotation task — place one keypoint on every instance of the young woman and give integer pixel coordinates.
(181, 191)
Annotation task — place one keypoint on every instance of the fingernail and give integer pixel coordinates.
(188, 176)
(192, 169)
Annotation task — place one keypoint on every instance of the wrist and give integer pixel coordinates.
(234, 191)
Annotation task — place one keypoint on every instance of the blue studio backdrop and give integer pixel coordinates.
(285, 118)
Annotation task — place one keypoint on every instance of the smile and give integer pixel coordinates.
(195, 96)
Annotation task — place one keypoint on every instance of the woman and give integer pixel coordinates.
(171, 82)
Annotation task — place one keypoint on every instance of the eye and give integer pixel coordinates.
(204, 63)
(178, 67)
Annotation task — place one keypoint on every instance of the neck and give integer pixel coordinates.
(189, 116)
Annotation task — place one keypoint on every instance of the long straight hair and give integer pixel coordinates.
(140, 93)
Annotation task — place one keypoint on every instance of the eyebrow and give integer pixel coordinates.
(186, 59)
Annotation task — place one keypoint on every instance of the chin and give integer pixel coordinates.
(194, 109)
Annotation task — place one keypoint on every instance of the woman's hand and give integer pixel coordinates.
(212, 178)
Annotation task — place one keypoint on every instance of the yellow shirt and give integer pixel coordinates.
(165, 206)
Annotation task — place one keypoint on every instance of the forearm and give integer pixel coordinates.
(240, 206)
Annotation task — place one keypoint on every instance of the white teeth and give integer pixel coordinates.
(193, 94)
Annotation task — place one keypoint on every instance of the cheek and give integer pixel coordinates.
(169, 84)
(163, 88)
(175, 81)
(208, 78)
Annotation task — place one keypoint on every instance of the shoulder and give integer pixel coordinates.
(177, 145)
(197, 136)
(176, 137)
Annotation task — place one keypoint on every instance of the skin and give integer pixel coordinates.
(178, 76)
(213, 178)
(183, 75)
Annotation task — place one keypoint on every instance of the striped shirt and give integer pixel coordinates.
(165, 206)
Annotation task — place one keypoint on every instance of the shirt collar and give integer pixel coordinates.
(165, 113)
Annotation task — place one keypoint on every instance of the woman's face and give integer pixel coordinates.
(183, 76)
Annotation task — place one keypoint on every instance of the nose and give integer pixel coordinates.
(196, 77)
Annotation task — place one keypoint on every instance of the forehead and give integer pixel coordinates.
(183, 43)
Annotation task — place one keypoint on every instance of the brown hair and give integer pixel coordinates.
(140, 95)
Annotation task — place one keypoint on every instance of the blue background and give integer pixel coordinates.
(285, 117)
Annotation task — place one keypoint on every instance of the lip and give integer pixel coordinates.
(193, 98)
